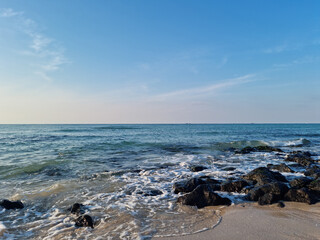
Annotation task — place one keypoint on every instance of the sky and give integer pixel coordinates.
(168, 61)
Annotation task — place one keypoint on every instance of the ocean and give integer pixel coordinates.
(123, 174)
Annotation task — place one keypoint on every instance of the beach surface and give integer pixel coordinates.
(251, 221)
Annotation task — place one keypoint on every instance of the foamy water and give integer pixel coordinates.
(124, 174)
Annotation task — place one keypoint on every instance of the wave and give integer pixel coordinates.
(226, 146)
(301, 142)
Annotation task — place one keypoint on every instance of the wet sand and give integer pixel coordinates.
(250, 221)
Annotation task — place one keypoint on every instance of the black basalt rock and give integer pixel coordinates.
(77, 208)
(189, 185)
(269, 198)
(300, 195)
(249, 149)
(263, 175)
(281, 167)
(277, 189)
(300, 182)
(197, 168)
(203, 196)
(11, 204)
(235, 186)
(84, 221)
(302, 158)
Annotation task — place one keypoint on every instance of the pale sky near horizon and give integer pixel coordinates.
(168, 61)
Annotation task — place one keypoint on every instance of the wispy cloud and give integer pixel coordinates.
(277, 49)
(8, 12)
(303, 60)
(46, 50)
(205, 89)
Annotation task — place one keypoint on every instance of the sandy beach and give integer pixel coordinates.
(251, 221)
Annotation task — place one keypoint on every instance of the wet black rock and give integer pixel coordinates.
(315, 186)
(197, 168)
(281, 167)
(258, 149)
(300, 182)
(11, 204)
(281, 204)
(300, 195)
(84, 221)
(228, 169)
(303, 158)
(277, 189)
(313, 172)
(189, 185)
(262, 175)
(235, 186)
(203, 196)
(269, 198)
(308, 154)
(77, 208)
(150, 192)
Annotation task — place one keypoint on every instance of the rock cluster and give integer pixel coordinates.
(261, 184)
(82, 220)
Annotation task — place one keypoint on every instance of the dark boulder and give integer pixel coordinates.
(302, 158)
(258, 149)
(84, 221)
(11, 204)
(262, 175)
(190, 184)
(77, 208)
(203, 196)
(281, 167)
(314, 186)
(197, 168)
(308, 154)
(300, 182)
(228, 169)
(278, 189)
(313, 172)
(235, 186)
(150, 192)
(300, 195)
(281, 204)
(269, 198)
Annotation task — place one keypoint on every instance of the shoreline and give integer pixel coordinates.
(251, 221)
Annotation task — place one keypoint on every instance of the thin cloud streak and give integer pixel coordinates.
(41, 46)
(205, 89)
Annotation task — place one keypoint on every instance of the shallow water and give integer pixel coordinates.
(112, 169)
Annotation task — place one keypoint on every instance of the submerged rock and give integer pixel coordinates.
(303, 158)
(203, 196)
(235, 186)
(150, 192)
(190, 184)
(262, 175)
(84, 221)
(197, 168)
(281, 167)
(258, 149)
(77, 208)
(11, 204)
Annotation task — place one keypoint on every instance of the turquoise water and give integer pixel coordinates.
(50, 167)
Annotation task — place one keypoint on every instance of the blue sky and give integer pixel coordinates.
(176, 61)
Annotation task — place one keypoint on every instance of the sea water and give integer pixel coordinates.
(124, 174)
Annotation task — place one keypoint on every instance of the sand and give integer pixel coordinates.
(250, 221)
